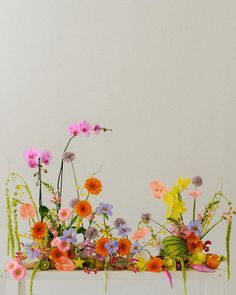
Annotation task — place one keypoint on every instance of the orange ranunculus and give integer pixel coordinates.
(212, 260)
(56, 254)
(27, 211)
(100, 247)
(194, 242)
(39, 230)
(155, 264)
(93, 186)
(65, 264)
(124, 246)
(140, 233)
(83, 208)
(158, 189)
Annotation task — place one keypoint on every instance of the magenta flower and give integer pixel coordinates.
(32, 163)
(74, 129)
(85, 127)
(46, 157)
(31, 154)
(97, 128)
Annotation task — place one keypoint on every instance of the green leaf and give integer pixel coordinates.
(81, 230)
(73, 220)
(43, 210)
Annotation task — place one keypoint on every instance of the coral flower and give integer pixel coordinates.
(155, 264)
(56, 254)
(64, 214)
(39, 230)
(101, 246)
(194, 242)
(158, 189)
(27, 211)
(65, 264)
(63, 246)
(19, 272)
(11, 265)
(212, 260)
(83, 208)
(195, 194)
(93, 186)
(140, 233)
(124, 247)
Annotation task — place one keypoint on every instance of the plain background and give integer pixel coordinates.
(161, 74)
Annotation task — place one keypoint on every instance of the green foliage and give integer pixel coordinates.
(228, 234)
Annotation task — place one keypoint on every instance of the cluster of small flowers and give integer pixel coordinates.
(228, 215)
(84, 128)
(32, 157)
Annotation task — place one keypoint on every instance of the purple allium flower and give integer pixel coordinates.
(197, 181)
(119, 221)
(73, 202)
(91, 233)
(146, 217)
(195, 227)
(74, 129)
(104, 208)
(68, 157)
(85, 127)
(136, 247)
(69, 235)
(123, 230)
(46, 157)
(112, 247)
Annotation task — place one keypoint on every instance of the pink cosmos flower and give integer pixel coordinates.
(158, 189)
(19, 272)
(27, 211)
(195, 194)
(74, 129)
(85, 127)
(55, 242)
(63, 246)
(64, 214)
(65, 264)
(97, 128)
(140, 233)
(11, 265)
(46, 157)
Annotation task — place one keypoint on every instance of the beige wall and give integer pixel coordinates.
(160, 73)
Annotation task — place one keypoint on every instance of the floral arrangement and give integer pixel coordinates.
(83, 237)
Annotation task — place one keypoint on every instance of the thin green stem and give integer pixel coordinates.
(214, 225)
(162, 226)
(75, 179)
(194, 209)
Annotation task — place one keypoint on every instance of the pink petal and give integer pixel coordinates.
(168, 277)
(202, 268)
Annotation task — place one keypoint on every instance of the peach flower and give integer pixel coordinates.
(27, 211)
(195, 194)
(158, 189)
(11, 265)
(65, 264)
(64, 214)
(140, 233)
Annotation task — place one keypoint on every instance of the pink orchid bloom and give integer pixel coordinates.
(85, 127)
(46, 157)
(97, 128)
(31, 154)
(74, 129)
(140, 233)
(27, 211)
(158, 189)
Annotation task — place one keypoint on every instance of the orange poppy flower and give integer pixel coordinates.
(56, 254)
(124, 247)
(93, 186)
(155, 264)
(83, 208)
(212, 260)
(65, 264)
(194, 242)
(38, 230)
(100, 247)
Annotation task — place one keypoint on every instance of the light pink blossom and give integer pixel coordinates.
(27, 211)
(158, 189)
(74, 129)
(55, 241)
(11, 265)
(19, 272)
(46, 157)
(140, 233)
(63, 246)
(85, 127)
(64, 214)
(195, 194)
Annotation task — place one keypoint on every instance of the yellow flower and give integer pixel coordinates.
(183, 182)
(78, 263)
(175, 205)
(142, 258)
(198, 257)
(170, 198)
(170, 263)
